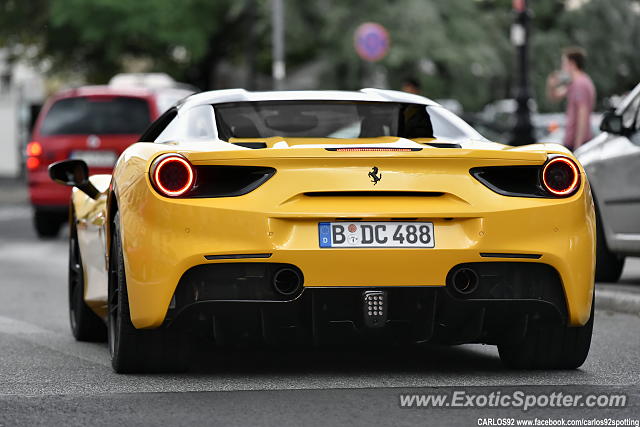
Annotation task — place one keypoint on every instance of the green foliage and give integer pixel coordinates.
(609, 30)
(455, 39)
(456, 48)
(93, 37)
(19, 20)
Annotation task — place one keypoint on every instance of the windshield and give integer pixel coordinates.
(107, 115)
(338, 119)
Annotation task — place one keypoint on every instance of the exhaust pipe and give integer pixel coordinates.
(287, 281)
(465, 280)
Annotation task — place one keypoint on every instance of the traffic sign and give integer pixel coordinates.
(371, 41)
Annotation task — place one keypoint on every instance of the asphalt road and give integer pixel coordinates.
(46, 378)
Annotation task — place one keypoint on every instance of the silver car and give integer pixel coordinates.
(612, 163)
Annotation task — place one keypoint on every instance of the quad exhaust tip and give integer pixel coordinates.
(465, 280)
(287, 281)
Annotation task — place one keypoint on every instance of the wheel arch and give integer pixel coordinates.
(112, 210)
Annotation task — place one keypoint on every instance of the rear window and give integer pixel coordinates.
(338, 119)
(110, 115)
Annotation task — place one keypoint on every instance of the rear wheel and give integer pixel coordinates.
(609, 265)
(85, 324)
(137, 350)
(47, 224)
(549, 347)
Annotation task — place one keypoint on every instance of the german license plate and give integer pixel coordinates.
(392, 234)
(96, 158)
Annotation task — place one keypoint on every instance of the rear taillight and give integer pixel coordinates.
(34, 153)
(34, 149)
(561, 176)
(33, 163)
(558, 177)
(172, 175)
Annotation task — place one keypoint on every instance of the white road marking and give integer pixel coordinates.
(94, 353)
(46, 254)
(18, 327)
(11, 213)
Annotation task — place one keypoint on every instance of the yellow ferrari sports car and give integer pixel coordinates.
(314, 218)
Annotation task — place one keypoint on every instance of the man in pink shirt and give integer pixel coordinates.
(576, 86)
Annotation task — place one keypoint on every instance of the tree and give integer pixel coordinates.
(458, 49)
(461, 47)
(95, 37)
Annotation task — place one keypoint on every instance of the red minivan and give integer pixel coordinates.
(92, 123)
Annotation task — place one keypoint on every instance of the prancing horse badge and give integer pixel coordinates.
(375, 177)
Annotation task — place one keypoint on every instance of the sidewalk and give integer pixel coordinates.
(619, 300)
(624, 296)
(13, 191)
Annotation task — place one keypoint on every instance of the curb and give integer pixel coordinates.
(619, 302)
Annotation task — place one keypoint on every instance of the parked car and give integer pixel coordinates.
(497, 119)
(92, 123)
(324, 218)
(551, 127)
(612, 163)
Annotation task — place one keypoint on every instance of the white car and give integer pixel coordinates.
(612, 163)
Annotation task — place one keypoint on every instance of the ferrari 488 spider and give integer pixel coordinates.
(325, 217)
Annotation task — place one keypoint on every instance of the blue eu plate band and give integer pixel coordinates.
(324, 234)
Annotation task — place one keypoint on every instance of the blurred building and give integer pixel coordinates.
(22, 92)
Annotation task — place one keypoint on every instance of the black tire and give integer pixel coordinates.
(85, 324)
(609, 265)
(137, 350)
(47, 224)
(547, 346)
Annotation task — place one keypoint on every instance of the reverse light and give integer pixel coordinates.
(560, 176)
(172, 175)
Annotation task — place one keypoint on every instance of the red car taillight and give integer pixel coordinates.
(34, 153)
(561, 176)
(172, 175)
(558, 177)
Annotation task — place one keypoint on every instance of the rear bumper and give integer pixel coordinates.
(163, 238)
(508, 297)
(155, 267)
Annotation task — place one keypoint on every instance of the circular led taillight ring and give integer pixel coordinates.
(571, 186)
(182, 183)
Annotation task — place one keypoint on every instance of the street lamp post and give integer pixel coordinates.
(278, 69)
(250, 51)
(523, 130)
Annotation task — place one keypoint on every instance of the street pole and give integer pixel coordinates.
(251, 46)
(278, 69)
(523, 130)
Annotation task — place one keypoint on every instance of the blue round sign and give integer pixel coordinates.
(371, 41)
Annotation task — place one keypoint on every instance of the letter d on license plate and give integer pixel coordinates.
(390, 234)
